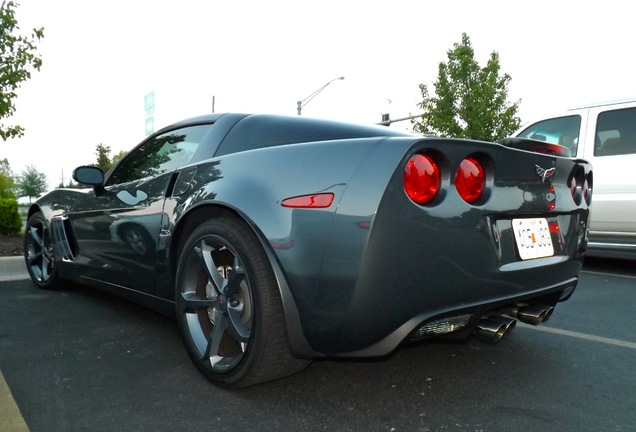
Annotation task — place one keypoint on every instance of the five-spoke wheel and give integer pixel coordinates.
(229, 307)
(38, 252)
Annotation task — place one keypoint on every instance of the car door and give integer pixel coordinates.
(118, 229)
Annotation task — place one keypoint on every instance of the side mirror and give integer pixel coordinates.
(90, 175)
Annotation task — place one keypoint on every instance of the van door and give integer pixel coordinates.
(611, 147)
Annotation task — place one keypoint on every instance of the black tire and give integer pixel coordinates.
(229, 308)
(38, 252)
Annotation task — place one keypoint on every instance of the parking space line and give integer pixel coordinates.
(584, 336)
(608, 274)
(11, 419)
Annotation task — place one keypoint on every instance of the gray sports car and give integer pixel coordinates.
(275, 240)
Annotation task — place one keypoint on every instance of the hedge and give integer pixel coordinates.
(10, 220)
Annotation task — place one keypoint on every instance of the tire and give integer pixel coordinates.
(38, 252)
(229, 309)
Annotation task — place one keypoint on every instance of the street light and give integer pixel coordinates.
(302, 103)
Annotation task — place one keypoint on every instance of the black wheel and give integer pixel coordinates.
(229, 307)
(38, 252)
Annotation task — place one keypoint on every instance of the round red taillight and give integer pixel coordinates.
(421, 179)
(587, 188)
(470, 180)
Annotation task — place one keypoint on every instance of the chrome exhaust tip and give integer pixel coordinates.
(494, 328)
(534, 315)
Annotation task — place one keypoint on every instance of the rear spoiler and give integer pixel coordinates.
(536, 146)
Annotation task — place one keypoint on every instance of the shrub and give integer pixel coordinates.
(10, 220)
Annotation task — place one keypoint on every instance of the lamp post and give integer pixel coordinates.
(302, 103)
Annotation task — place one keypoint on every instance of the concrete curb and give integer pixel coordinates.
(13, 268)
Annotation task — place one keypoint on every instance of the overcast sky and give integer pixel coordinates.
(102, 57)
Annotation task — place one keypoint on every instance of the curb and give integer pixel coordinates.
(13, 268)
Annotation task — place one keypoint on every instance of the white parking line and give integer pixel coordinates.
(11, 419)
(592, 338)
(608, 274)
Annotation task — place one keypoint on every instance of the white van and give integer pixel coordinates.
(605, 135)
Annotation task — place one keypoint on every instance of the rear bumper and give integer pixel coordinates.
(464, 318)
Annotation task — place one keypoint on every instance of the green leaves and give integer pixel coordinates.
(18, 57)
(470, 101)
(31, 183)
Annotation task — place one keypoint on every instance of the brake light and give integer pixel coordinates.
(421, 179)
(577, 178)
(470, 180)
(587, 188)
(551, 197)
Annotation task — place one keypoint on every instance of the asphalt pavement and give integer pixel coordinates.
(78, 359)
(11, 269)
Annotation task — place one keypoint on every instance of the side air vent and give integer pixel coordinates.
(65, 247)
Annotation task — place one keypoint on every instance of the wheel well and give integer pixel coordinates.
(189, 222)
(299, 345)
(33, 209)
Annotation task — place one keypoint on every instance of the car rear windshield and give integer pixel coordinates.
(260, 131)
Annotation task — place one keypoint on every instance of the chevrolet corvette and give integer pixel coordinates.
(276, 240)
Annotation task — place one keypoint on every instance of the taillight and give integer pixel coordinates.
(551, 198)
(576, 185)
(470, 180)
(421, 179)
(587, 188)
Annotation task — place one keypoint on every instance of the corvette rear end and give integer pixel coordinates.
(467, 237)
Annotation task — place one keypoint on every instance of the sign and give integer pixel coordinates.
(149, 109)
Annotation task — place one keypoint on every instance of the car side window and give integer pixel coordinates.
(616, 132)
(161, 154)
(560, 130)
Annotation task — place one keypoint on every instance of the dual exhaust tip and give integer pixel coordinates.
(493, 328)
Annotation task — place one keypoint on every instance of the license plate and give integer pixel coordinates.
(533, 238)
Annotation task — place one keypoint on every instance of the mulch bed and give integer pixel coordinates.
(11, 245)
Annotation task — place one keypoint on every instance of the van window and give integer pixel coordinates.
(615, 132)
(560, 130)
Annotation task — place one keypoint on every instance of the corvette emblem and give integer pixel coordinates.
(545, 173)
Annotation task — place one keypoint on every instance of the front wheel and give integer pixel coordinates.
(229, 308)
(38, 252)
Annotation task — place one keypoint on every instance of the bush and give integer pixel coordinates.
(10, 220)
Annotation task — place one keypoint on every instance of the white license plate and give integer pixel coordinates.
(533, 238)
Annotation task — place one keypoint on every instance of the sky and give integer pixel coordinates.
(101, 58)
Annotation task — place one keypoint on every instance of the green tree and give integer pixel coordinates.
(18, 57)
(7, 184)
(118, 156)
(31, 183)
(70, 185)
(469, 101)
(103, 157)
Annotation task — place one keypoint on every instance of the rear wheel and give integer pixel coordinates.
(229, 308)
(38, 252)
